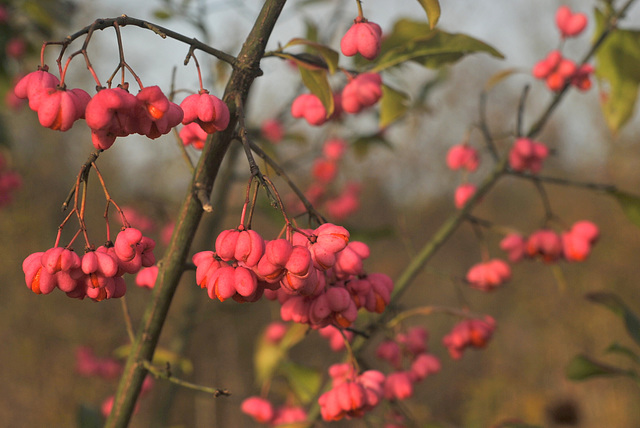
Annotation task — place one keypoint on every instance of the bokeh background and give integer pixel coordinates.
(542, 315)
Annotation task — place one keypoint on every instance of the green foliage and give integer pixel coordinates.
(329, 56)
(304, 381)
(162, 14)
(617, 306)
(583, 367)
(630, 205)
(89, 417)
(618, 62)
(269, 356)
(415, 41)
(432, 7)
(394, 104)
(363, 143)
(616, 348)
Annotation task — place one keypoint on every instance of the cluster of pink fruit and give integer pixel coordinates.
(525, 155)
(362, 91)
(407, 354)
(463, 157)
(573, 245)
(97, 275)
(352, 394)
(9, 181)
(558, 71)
(262, 411)
(316, 275)
(474, 333)
(114, 112)
(488, 275)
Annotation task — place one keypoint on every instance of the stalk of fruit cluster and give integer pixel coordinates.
(247, 68)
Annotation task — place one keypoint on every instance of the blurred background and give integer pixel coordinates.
(406, 194)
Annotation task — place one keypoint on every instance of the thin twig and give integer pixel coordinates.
(600, 187)
(163, 32)
(127, 319)
(282, 173)
(166, 375)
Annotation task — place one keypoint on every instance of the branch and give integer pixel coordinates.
(124, 20)
(166, 375)
(245, 71)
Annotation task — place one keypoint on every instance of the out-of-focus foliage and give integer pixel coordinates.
(618, 62)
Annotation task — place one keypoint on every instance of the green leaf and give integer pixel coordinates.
(394, 104)
(312, 30)
(630, 205)
(316, 81)
(582, 367)
(162, 14)
(304, 381)
(329, 56)
(616, 348)
(430, 48)
(269, 356)
(618, 62)
(89, 417)
(432, 7)
(617, 306)
(362, 145)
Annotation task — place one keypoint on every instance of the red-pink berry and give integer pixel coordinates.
(489, 275)
(309, 107)
(33, 85)
(207, 110)
(546, 244)
(515, 246)
(193, 135)
(424, 365)
(60, 108)
(474, 333)
(389, 350)
(274, 332)
(527, 154)
(577, 242)
(108, 115)
(272, 130)
(259, 409)
(570, 24)
(147, 277)
(363, 37)
(334, 148)
(398, 386)
(463, 156)
(349, 260)
(414, 340)
(363, 91)
(463, 193)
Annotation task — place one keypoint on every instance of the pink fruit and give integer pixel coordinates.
(363, 91)
(207, 110)
(570, 24)
(363, 37)
(309, 107)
